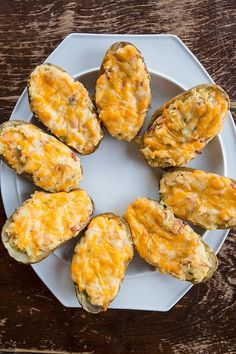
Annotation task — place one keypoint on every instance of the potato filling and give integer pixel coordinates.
(64, 106)
(52, 165)
(101, 258)
(200, 197)
(123, 92)
(47, 220)
(185, 126)
(166, 242)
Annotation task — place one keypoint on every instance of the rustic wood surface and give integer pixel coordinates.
(31, 319)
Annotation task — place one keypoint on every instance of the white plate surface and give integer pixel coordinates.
(116, 173)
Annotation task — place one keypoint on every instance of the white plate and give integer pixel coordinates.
(116, 173)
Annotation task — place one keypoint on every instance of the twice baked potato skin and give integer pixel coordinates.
(184, 125)
(203, 198)
(50, 164)
(64, 107)
(123, 93)
(100, 260)
(167, 243)
(45, 222)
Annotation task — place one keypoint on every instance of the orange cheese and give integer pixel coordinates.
(51, 164)
(64, 106)
(47, 220)
(203, 198)
(165, 242)
(123, 92)
(185, 126)
(101, 258)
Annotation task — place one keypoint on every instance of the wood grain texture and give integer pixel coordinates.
(31, 319)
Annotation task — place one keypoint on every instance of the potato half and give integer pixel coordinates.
(64, 107)
(100, 261)
(50, 164)
(203, 198)
(123, 92)
(184, 125)
(45, 222)
(167, 243)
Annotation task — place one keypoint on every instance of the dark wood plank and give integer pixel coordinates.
(31, 319)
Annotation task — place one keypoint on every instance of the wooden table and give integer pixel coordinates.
(31, 319)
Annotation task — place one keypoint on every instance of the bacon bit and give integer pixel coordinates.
(108, 73)
(152, 129)
(178, 224)
(233, 186)
(42, 143)
(60, 168)
(185, 262)
(74, 157)
(12, 235)
(165, 212)
(73, 228)
(133, 57)
(72, 100)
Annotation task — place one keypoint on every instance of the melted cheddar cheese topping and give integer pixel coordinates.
(46, 220)
(51, 164)
(166, 242)
(64, 106)
(123, 92)
(203, 198)
(101, 258)
(185, 126)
